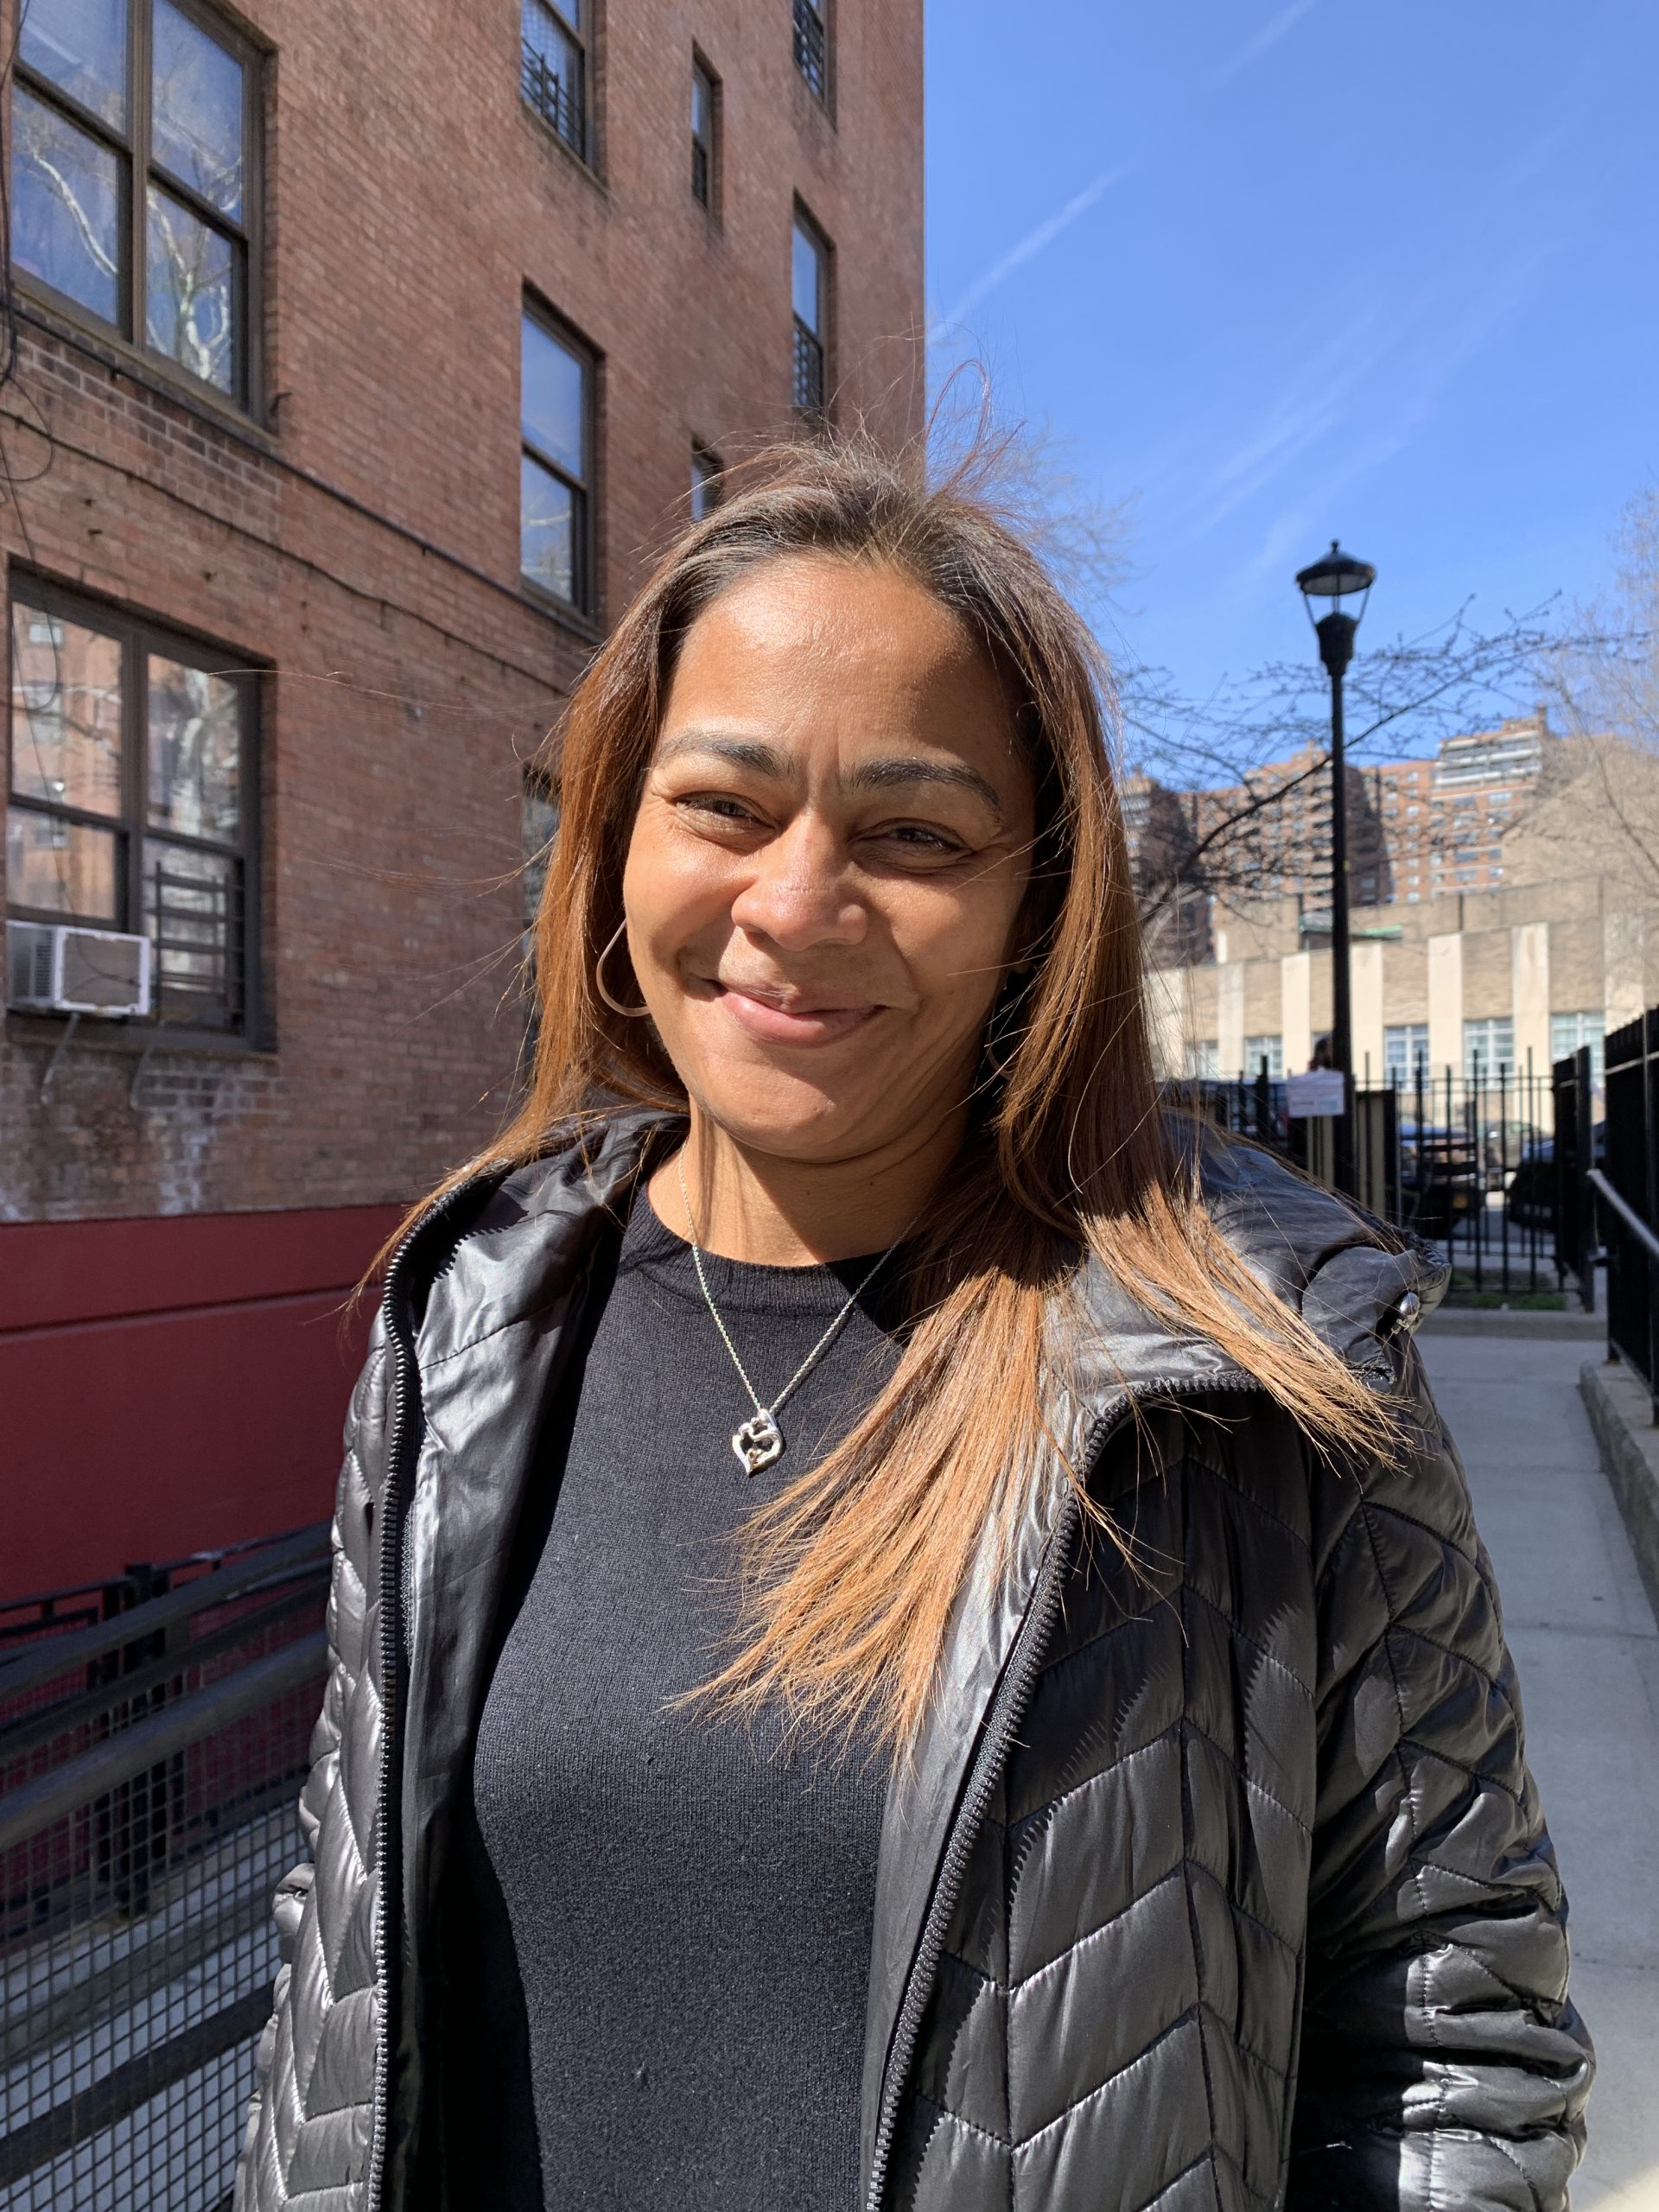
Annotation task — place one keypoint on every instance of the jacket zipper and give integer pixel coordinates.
(391, 1654)
(1006, 1708)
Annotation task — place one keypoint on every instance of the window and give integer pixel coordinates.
(556, 466)
(553, 67)
(131, 183)
(705, 482)
(810, 294)
(1405, 1052)
(1270, 1049)
(540, 824)
(1491, 1043)
(811, 46)
(1568, 1032)
(133, 794)
(705, 134)
(1203, 1057)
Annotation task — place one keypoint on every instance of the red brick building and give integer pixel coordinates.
(363, 359)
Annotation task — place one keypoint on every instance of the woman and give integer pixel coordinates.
(1099, 1780)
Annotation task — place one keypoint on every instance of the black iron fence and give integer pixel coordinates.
(1621, 1179)
(150, 1757)
(1467, 1161)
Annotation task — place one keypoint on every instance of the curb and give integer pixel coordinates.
(1489, 1321)
(1621, 1414)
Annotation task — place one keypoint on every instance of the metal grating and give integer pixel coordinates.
(149, 1813)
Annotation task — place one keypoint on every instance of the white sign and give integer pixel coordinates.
(1317, 1092)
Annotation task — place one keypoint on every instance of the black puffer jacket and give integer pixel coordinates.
(1220, 1884)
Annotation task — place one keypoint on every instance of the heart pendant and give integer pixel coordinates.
(758, 1443)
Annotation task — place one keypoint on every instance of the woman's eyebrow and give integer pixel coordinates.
(741, 752)
(902, 771)
(896, 772)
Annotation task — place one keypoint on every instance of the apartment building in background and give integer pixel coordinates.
(364, 361)
(1472, 984)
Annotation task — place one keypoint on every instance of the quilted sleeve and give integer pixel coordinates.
(264, 2175)
(1442, 2063)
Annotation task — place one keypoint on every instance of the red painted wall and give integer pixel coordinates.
(170, 1384)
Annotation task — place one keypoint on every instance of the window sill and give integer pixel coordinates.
(49, 311)
(588, 627)
(131, 1039)
(544, 131)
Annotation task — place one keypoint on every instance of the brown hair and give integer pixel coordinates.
(847, 1577)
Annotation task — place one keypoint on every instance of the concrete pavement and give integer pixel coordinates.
(1588, 1650)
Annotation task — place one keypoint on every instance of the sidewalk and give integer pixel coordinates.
(1587, 1652)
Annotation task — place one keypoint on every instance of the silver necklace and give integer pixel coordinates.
(759, 1441)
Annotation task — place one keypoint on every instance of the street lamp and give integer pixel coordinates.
(1337, 577)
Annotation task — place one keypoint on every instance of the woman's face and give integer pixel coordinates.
(828, 859)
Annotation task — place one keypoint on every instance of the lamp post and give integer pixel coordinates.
(1333, 579)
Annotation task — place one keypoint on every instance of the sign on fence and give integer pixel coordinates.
(1320, 1091)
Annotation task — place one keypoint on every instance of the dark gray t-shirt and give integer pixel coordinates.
(666, 1918)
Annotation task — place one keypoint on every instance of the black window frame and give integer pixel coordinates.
(809, 390)
(137, 168)
(569, 118)
(809, 43)
(139, 637)
(705, 151)
(583, 606)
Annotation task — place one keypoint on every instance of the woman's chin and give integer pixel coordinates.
(793, 1117)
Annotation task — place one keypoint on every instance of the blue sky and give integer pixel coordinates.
(1278, 272)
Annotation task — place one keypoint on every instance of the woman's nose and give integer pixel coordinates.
(798, 894)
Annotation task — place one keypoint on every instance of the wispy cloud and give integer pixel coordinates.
(1027, 248)
(1269, 36)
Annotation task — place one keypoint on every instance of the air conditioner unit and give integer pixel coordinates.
(59, 968)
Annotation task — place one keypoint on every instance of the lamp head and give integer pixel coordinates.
(1336, 577)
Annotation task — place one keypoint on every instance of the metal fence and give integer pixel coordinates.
(150, 1765)
(1467, 1161)
(1621, 1178)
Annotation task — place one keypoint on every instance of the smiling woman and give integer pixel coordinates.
(907, 1634)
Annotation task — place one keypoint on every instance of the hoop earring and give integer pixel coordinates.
(631, 1013)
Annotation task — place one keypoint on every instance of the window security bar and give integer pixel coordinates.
(809, 370)
(557, 102)
(811, 46)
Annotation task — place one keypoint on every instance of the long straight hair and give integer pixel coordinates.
(847, 1579)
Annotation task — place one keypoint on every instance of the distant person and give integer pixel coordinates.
(905, 1632)
(1322, 1056)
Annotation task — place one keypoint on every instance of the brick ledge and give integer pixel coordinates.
(1621, 1414)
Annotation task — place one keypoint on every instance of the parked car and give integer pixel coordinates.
(1442, 1180)
(1531, 1198)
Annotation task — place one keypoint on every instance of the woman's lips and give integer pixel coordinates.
(770, 1023)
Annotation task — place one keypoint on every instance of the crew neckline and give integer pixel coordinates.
(650, 1247)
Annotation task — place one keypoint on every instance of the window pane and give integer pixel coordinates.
(190, 305)
(702, 106)
(704, 491)
(807, 287)
(541, 823)
(81, 45)
(548, 523)
(552, 70)
(65, 867)
(65, 207)
(196, 120)
(192, 918)
(65, 712)
(554, 415)
(195, 733)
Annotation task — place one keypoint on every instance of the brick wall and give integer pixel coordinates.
(361, 545)
(357, 548)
